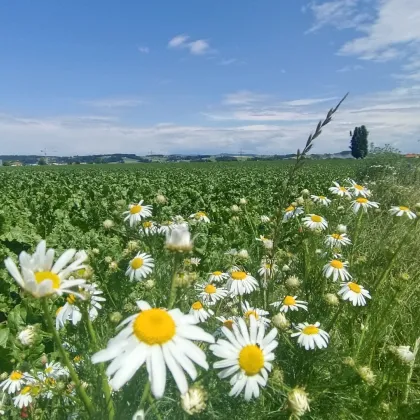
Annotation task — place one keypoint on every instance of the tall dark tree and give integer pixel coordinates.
(359, 142)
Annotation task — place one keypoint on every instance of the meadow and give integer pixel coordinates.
(280, 294)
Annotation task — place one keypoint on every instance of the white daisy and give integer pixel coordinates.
(148, 227)
(311, 336)
(137, 212)
(315, 222)
(336, 240)
(27, 336)
(267, 268)
(227, 322)
(195, 261)
(241, 283)
(290, 302)
(268, 243)
(259, 314)
(68, 312)
(292, 212)
(166, 226)
(355, 293)
(55, 370)
(40, 277)
(247, 356)
(92, 295)
(264, 219)
(140, 267)
(339, 190)
(402, 211)
(160, 339)
(336, 269)
(210, 294)
(321, 199)
(200, 216)
(24, 398)
(364, 204)
(404, 353)
(200, 314)
(357, 190)
(15, 381)
(218, 277)
(178, 238)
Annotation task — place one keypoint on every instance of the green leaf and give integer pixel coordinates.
(4, 335)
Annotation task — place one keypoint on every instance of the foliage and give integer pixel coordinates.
(359, 142)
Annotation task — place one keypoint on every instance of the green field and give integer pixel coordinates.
(359, 375)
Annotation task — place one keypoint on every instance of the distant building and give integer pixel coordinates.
(412, 155)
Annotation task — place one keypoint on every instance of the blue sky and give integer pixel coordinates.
(85, 77)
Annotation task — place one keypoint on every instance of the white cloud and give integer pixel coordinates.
(114, 102)
(228, 62)
(243, 97)
(178, 41)
(350, 68)
(199, 47)
(144, 50)
(306, 102)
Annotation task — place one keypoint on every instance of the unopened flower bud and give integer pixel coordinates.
(108, 259)
(4, 376)
(365, 372)
(115, 317)
(139, 415)
(108, 224)
(300, 201)
(95, 251)
(243, 253)
(331, 299)
(27, 336)
(305, 193)
(294, 204)
(298, 402)
(280, 321)
(285, 268)
(417, 206)
(292, 282)
(235, 208)
(194, 400)
(243, 201)
(161, 199)
(113, 266)
(349, 361)
(43, 359)
(179, 239)
(277, 376)
(149, 284)
(342, 229)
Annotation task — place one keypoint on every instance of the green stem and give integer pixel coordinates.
(66, 361)
(356, 235)
(105, 385)
(145, 395)
(410, 373)
(172, 295)
(154, 408)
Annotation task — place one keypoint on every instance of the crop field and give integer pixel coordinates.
(244, 290)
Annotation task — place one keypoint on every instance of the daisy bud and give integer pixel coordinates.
(183, 280)
(139, 415)
(384, 407)
(280, 321)
(404, 354)
(292, 282)
(285, 268)
(149, 284)
(132, 245)
(115, 317)
(43, 359)
(305, 193)
(4, 376)
(318, 251)
(340, 209)
(113, 266)
(294, 204)
(277, 376)
(331, 299)
(268, 244)
(342, 229)
(60, 386)
(84, 384)
(234, 219)
(243, 201)
(27, 336)
(194, 400)
(95, 251)
(235, 208)
(243, 253)
(108, 259)
(300, 201)
(179, 239)
(160, 199)
(405, 276)
(349, 361)
(297, 401)
(87, 272)
(108, 224)
(264, 219)
(365, 372)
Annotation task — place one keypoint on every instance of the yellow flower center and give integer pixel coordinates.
(316, 219)
(58, 310)
(336, 236)
(217, 273)
(359, 187)
(247, 314)
(136, 209)
(238, 275)
(197, 306)
(310, 330)
(362, 200)
(267, 266)
(403, 208)
(336, 264)
(137, 263)
(147, 224)
(77, 359)
(41, 276)
(49, 369)
(290, 208)
(71, 299)
(15, 376)
(342, 189)
(26, 390)
(154, 326)
(200, 214)
(210, 289)
(354, 287)
(50, 381)
(228, 324)
(251, 359)
(322, 197)
(289, 301)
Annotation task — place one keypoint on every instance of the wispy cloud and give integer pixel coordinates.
(308, 101)
(243, 97)
(196, 47)
(144, 50)
(124, 102)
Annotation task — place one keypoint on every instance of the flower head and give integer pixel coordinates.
(179, 239)
(137, 212)
(199, 312)
(241, 283)
(402, 211)
(194, 400)
(218, 277)
(15, 381)
(311, 336)
(200, 216)
(292, 212)
(337, 240)
(315, 222)
(336, 269)
(321, 199)
(140, 267)
(161, 339)
(246, 356)
(290, 302)
(355, 293)
(362, 203)
(210, 294)
(40, 277)
(340, 190)
(148, 228)
(259, 314)
(280, 321)
(359, 190)
(298, 402)
(27, 336)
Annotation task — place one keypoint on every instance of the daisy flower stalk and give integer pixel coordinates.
(160, 339)
(246, 357)
(40, 277)
(137, 212)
